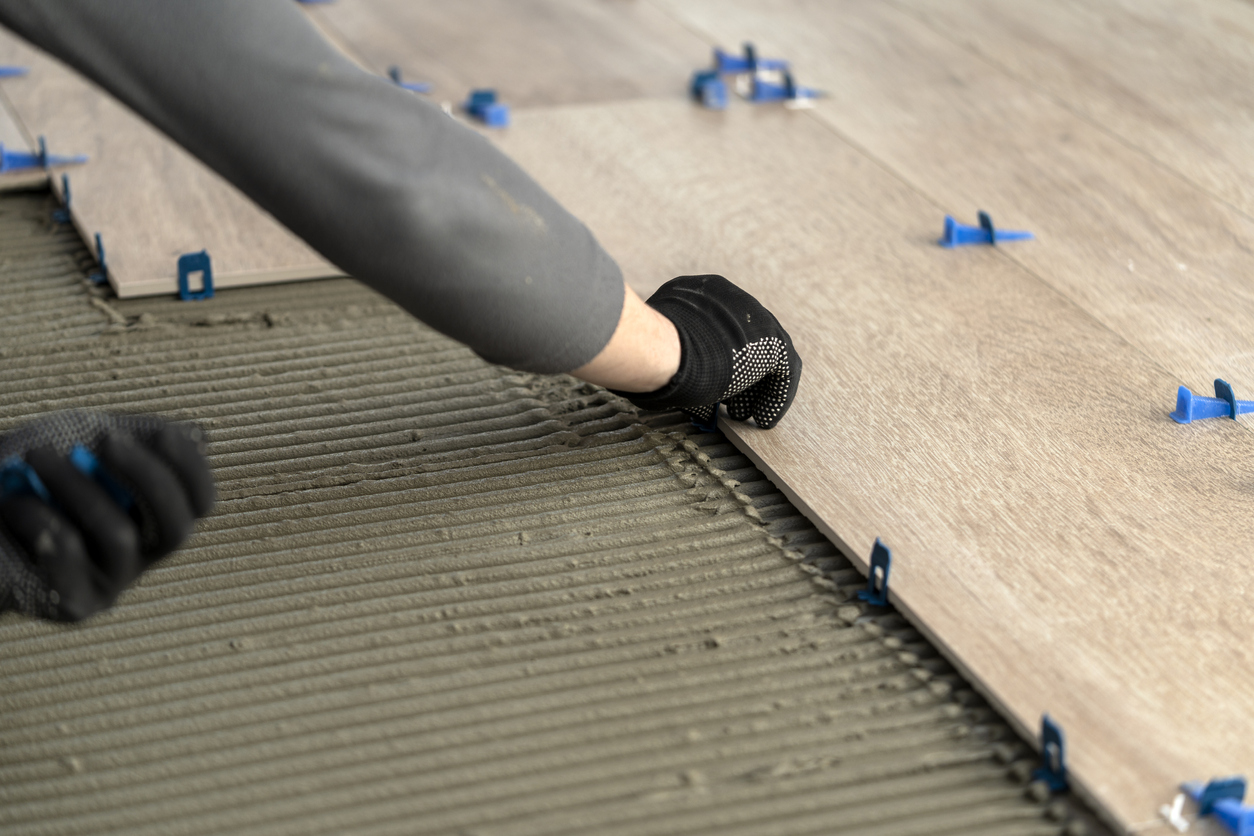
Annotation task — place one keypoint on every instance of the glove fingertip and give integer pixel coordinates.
(57, 552)
(740, 407)
(779, 392)
(162, 504)
(182, 446)
(110, 536)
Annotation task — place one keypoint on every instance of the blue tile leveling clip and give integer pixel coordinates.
(1223, 798)
(961, 235)
(876, 592)
(25, 160)
(1053, 768)
(394, 73)
(1191, 407)
(62, 215)
(190, 263)
(484, 106)
(711, 427)
(747, 62)
(709, 89)
(767, 91)
(102, 275)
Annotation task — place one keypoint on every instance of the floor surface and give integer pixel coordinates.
(438, 596)
(998, 416)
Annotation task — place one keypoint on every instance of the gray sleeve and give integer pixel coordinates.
(383, 184)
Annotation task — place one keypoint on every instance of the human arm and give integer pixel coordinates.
(699, 342)
(381, 182)
(398, 195)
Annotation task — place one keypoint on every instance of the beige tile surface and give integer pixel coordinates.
(150, 200)
(1079, 552)
(534, 52)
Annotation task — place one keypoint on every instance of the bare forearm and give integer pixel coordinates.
(643, 353)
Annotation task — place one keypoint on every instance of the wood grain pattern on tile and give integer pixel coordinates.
(1148, 253)
(534, 52)
(148, 198)
(1074, 549)
(1168, 77)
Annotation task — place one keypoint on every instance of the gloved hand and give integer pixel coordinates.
(733, 351)
(88, 501)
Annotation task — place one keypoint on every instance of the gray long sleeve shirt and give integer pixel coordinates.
(381, 183)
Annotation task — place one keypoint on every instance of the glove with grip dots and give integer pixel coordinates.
(88, 501)
(732, 351)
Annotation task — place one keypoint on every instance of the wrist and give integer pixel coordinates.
(642, 355)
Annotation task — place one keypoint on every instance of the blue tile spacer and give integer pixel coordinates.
(1053, 768)
(195, 263)
(985, 221)
(62, 215)
(1191, 407)
(18, 477)
(102, 275)
(767, 91)
(711, 427)
(26, 160)
(962, 235)
(13, 72)
(708, 89)
(1217, 789)
(1235, 816)
(876, 592)
(1223, 798)
(483, 105)
(747, 62)
(17, 160)
(394, 73)
(1223, 391)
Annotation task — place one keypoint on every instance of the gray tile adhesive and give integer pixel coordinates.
(439, 596)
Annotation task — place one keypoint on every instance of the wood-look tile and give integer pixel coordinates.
(149, 199)
(533, 52)
(1072, 547)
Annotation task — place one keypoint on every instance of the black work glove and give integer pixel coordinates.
(732, 351)
(88, 501)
